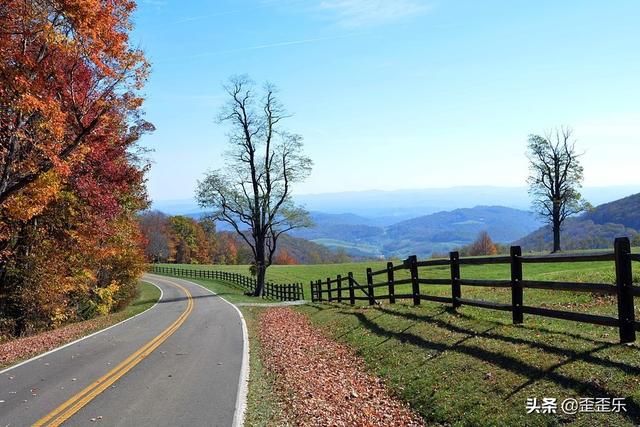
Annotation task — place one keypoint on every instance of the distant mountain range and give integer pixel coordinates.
(595, 229)
(423, 235)
(389, 207)
(421, 222)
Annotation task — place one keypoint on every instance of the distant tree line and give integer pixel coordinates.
(184, 240)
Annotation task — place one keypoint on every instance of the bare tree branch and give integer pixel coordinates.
(253, 191)
(555, 178)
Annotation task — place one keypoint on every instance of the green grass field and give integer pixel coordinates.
(579, 272)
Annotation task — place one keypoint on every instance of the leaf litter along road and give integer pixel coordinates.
(321, 382)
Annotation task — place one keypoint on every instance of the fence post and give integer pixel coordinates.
(624, 283)
(412, 261)
(319, 289)
(301, 291)
(391, 282)
(329, 289)
(372, 301)
(456, 292)
(516, 285)
(339, 288)
(352, 294)
(313, 294)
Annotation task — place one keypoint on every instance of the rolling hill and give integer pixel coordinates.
(625, 211)
(595, 229)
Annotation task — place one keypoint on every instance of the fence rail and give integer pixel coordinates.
(324, 291)
(280, 292)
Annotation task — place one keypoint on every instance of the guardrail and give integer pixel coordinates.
(345, 287)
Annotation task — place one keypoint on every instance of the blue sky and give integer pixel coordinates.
(398, 94)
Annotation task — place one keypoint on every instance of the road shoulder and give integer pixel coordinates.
(16, 352)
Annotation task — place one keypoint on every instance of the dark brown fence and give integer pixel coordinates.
(343, 289)
(288, 292)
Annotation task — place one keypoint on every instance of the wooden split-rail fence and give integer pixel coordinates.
(343, 289)
(280, 292)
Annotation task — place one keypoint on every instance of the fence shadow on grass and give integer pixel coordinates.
(505, 362)
(571, 355)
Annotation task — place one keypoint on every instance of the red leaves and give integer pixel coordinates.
(69, 122)
(67, 72)
(23, 348)
(323, 383)
(285, 258)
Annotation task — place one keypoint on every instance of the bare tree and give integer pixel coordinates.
(253, 192)
(555, 178)
(154, 225)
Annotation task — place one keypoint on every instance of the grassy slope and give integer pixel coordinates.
(147, 297)
(474, 367)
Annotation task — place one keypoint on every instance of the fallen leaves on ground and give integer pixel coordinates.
(23, 348)
(321, 382)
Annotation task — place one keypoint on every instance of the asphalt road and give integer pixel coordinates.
(177, 364)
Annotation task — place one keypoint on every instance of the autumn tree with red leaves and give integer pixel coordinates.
(70, 187)
(284, 258)
(483, 245)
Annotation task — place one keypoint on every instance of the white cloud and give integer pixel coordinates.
(365, 13)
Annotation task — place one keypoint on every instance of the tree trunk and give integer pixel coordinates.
(260, 279)
(261, 270)
(556, 230)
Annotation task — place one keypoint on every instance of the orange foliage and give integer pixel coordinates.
(284, 258)
(69, 189)
(483, 245)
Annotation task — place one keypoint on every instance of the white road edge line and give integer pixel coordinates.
(243, 383)
(39, 356)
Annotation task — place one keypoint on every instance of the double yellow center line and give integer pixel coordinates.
(75, 403)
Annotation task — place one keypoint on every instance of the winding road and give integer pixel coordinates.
(181, 363)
